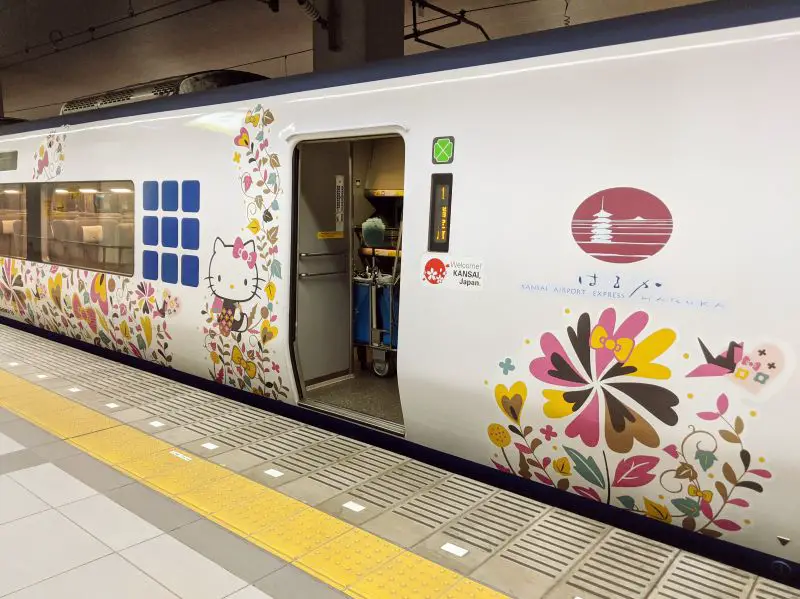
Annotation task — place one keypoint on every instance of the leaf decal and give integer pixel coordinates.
(722, 490)
(738, 425)
(711, 533)
(535, 444)
(586, 467)
(745, 457)
(739, 502)
(254, 226)
(563, 484)
(722, 404)
(688, 523)
(514, 430)
(272, 235)
(729, 474)
(563, 466)
(687, 506)
(729, 436)
(705, 507)
(528, 430)
(275, 269)
(705, 458)
(587, 492)
(274, 161)
(545, 460)
(523, 448)
(685, 471)
(708, 415)
(727, 525)
(762, 473)
(657, 511)
(268, 118)
(524, 469)
(543, 479)
(627, 501)
(672, 450)
(635, 471)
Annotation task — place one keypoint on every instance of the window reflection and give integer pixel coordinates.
(13, 221)
(89, 224)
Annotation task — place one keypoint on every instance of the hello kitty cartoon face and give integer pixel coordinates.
(233, 271)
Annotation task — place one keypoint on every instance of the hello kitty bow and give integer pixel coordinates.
(240, 252)
(622, 347)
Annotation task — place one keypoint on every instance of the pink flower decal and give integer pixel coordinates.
(601, 371)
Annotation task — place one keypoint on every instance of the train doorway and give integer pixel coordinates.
(348, 201)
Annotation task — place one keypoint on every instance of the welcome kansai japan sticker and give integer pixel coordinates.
(446, 272)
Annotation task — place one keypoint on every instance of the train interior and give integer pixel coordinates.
(348, 236)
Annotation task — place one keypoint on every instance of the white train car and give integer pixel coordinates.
(592, 231)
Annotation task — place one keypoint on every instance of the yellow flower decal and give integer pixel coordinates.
(648, 350)
(125, 330)
(54, 286)
(215, 357)
(499, 436)
(511, 400)
(237, 157)
(147, 329)
(268, 332)
(254, 226)
(657, 511)
(271, 289)
(563, 466)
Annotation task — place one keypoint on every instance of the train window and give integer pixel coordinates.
(13, 221)
(441, 207)
(8, 161)
(89, 224)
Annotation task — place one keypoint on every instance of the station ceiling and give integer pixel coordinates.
(52, 51)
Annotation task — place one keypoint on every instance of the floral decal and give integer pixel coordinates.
(593, 403)
(48, 160)
(610, 359)
(241, 323)
(106, 310)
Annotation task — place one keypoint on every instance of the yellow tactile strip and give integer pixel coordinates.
(361, 564)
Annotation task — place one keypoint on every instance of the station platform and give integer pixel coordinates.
(115, 482)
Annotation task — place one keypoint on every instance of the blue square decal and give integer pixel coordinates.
(190, 234)
(190, 196)
(150, 230)
(150, 265)
(190, 271)
(150, 193)
(169, 232)
(169, 268)
(169, 196)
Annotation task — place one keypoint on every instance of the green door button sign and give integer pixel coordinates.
(443, 150)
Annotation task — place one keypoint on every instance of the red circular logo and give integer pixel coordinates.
(435, 271)
(622, 225)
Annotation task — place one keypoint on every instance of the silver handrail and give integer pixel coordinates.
(320, 254)
(305, 275)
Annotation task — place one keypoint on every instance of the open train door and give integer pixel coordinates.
(322, 300)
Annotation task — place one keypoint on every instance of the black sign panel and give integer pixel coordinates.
(441, 212)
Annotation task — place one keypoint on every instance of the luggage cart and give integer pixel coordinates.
(381, 304)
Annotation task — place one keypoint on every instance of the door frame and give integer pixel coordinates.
(294, 141)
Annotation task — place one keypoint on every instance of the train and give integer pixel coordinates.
(559, 255)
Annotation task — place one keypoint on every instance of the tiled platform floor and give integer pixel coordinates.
(73, 528)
